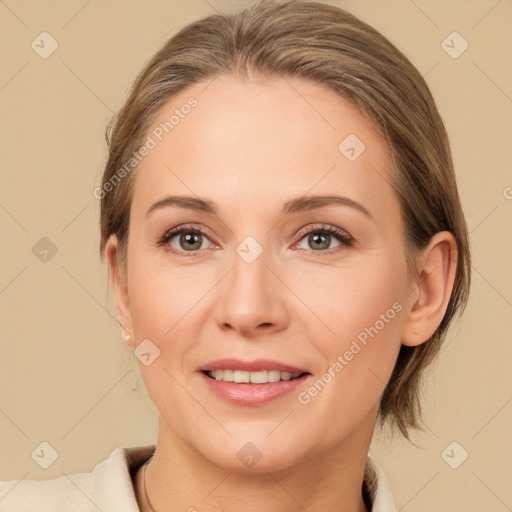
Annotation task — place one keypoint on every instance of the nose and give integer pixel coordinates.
(252, 298)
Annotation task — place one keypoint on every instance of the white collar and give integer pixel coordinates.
(109, 487)
(382, 500)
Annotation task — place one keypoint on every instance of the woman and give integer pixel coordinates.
(286, 248)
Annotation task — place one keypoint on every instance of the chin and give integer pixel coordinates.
(251, 450)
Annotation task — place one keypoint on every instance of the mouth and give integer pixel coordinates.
(252, 383)
(247, 377)
(253, 388)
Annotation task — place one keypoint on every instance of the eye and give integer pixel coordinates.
(190, 239)
(320, 238)
(184, 239)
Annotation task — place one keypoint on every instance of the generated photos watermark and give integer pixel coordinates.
(357, 345)
(152, 140)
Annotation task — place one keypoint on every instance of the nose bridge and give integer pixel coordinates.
(250, 295)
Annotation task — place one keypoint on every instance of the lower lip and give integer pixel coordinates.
(252, 394)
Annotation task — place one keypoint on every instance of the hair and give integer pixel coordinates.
(332, 47)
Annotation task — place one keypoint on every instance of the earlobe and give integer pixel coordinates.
(119, 290)
(434, 285)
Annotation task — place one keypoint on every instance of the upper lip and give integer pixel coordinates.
(250, 366)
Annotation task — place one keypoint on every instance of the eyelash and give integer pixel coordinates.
(342, 236)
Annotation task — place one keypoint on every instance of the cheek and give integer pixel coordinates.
(361, 317)
(168, 308)
(343, 301)
(165, 305)
(165, 300)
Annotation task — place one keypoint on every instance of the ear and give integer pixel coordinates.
(434, 284)
(120, 290)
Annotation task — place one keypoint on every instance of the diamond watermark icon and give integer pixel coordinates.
(44, 455)
(146, 352)
(351, 147)
(249, 249)
(454, 45)
(44, 250)
(44, 45)
(248, 455)
(454, 455)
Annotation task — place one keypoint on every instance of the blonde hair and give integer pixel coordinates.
(332, 47)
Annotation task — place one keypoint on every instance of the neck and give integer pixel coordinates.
(178, 478)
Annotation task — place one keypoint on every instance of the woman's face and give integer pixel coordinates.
(265, 270)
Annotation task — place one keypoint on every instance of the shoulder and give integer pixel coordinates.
(107, 487)
(45, 495)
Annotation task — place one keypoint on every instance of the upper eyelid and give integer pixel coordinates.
(315, 226)
(185, 227)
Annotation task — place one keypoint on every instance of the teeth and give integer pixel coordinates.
(227, 375)
(258, 377)
(274, 376)
(240, 376)
(243, 377)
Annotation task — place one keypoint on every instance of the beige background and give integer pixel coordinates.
(66, 376)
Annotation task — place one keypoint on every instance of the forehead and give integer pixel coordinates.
(238, 140)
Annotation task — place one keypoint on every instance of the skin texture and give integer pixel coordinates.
(250, 146)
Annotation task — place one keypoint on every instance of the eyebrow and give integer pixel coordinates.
(292, 206)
